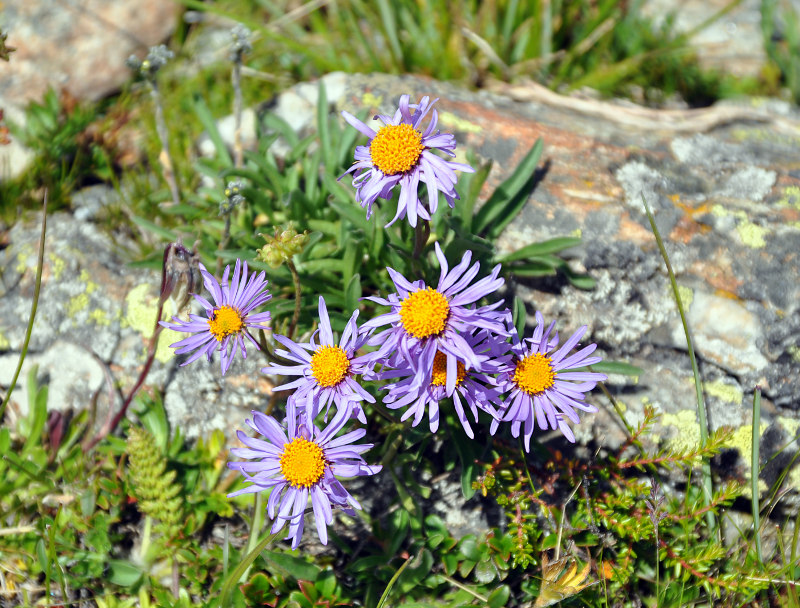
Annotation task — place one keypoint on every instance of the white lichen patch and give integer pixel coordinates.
(638, 179)
(750, 183)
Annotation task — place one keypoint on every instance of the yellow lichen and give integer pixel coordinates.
(451, 121)
(141, 309)
(790, 198)
(688, 436)
(752, 234)
(86, 277)
(726, 392)
(686, 294)
(99, 316)
(57, 265)
(368, 99)
(4, 343)
(76, 304)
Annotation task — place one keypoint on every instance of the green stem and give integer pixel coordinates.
(754, 471)
(702, 419)
(393, 580)
(34, 305)
(297, 298)
(163, 135)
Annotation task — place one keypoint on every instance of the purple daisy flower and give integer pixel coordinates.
(327, 371)
(297, 461)
(401, 153)
(543, 388)
(425, 320)
(476, 388)
(227, 321)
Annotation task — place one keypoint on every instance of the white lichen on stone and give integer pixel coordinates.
(638, 179)
(750, 183)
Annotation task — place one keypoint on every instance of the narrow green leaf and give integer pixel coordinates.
(352, 292)
(234, 577)
(544, 248)
(504, 203)
(520, 315)
(755, 469)
(289, 565)
(323, 128)
(210, 125)
(123, 573)
(617, 367)
(154, 228)
(390, 30)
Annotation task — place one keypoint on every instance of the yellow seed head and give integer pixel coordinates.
(225, 321)
(329, 365)
(302, 462)
(535, 374)
(424, 313)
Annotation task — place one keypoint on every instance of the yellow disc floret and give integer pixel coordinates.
(225, 321)
(302, 462)
(329, 365)
(439, 373)
(535, 374)
(424, 313)
(396, 148)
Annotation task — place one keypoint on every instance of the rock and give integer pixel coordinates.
(98, 36)
(96, 317)
(727, 203)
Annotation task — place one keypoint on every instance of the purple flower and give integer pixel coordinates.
(296, 461)
(401, 153)
(476, 388)
(227, 320)
(543, 389)
(327, 371)
(424, 320)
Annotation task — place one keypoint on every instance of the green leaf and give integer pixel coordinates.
(466, 454)
(541, 249)
(617, 367)
(210, 125)
(499, 597)
(289, 565)
(509, 197)
(352, 292)
(520, 315)
(154, 228)
(37, 400)
(123, 573)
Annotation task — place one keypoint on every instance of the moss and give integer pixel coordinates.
(725, 392)
(451, 121)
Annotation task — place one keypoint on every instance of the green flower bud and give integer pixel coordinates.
(283, 246)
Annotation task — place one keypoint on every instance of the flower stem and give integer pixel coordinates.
(297, 300)
(161, 128)
(422, 231)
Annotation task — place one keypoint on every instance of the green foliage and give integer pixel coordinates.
(780, 25)
(152, 484)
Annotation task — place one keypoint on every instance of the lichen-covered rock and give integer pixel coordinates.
(727, 203)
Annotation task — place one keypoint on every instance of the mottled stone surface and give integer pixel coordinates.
(93, 326)
(79, 46)
(727, 201)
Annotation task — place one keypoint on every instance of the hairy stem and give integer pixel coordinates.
(161, 128)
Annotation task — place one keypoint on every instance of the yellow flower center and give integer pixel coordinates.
(329, 365)
(424, 313)
(439, 373)
(534, 374)
(302, 462)
(225, 321)
(396, 148)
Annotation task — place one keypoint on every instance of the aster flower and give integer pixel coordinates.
(327, 370)
(227, 320)
(544, 390)
(400, 153)
(424, 320)
(476, 388)
(297, 461)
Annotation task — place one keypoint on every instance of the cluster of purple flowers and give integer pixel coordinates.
(435, 344)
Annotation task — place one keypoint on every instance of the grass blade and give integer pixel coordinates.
(698, 385)
(754, 470)
(34, 306)
(393, 581)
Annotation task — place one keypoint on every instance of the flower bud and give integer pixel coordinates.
(283, 246)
